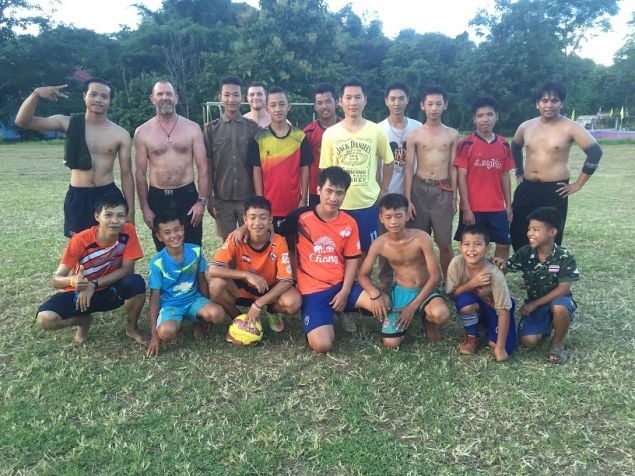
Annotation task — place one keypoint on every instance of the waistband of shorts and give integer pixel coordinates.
(108, 186)
(400, 287)
(169, 192)
(541, 182)
(443, 184)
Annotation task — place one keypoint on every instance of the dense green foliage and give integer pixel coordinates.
(296, 43)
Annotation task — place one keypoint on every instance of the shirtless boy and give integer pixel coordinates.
(105, 141)
(410, 254)
(544, 181)
(169, 145)
(431, 191)
(257, 99)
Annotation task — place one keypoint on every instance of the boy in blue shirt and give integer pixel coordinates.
(548, 271)
(178, 288)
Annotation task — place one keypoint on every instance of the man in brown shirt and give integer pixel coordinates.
(226, 142)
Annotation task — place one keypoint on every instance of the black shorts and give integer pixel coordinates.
(176, 201)
(79, 207)
(112, 297)
(529, 196)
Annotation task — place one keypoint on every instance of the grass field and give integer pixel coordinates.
(211, 408)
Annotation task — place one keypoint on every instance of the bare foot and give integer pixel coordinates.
(135, 335)
(433, 334)
(82, 331)
(199, 331)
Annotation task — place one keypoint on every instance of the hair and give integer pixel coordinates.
(430, 90)
(165, 217)
(277, 90)
(484, 101)
(322, 88)
(257, 201)
(162, 81)
(231, 80)
(476, 229)
(393, 201)
(396, 85)
(88, 82)
(551, 87)
(257, 84)
(110, 200)
(336, 175)
(352, 82)
(547, 215)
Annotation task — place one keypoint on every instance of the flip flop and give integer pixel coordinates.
(558, 355)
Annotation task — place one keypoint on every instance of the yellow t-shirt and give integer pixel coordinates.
(358, 153)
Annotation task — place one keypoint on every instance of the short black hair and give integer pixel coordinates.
(257, 84)
(352, 82)
(430, 90)
(336, 175)
(552, 87)
(257, 201)
(476, 229)
(277, 90)
(396, 85)
(88, 82)
(484, 101)
(231, 80)
(165, 217)
(321, 88)
(110, 200)
(393, 201)
(550, 216)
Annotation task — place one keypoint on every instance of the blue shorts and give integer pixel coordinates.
(496, 224)
(539, 321)
(316, 310)
(367, 220)
(400, 297)
(63, 303)
(487, 316)
(187, 311)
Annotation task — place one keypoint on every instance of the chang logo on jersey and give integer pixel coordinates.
(323, 251)
(488, 163)
(346, 232)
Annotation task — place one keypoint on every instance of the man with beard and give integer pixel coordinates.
(257, 99)
(169, 145)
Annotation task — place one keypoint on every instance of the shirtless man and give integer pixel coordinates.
(544, 182)
(411, 256)
(257, 99)
(105, 140)
(431, 193)
(169, 145)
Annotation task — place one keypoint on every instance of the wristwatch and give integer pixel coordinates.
(95, 283)
(202, 200)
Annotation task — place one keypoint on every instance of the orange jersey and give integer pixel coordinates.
(322, 248)
(271, 261)
(99, 259)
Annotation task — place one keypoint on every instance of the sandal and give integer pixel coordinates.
(558, 355)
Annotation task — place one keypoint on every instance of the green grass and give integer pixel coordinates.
(211, 408)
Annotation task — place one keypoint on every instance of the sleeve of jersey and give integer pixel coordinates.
(202, 264)
(351, 247)
(460, 160)
(326, 153)
(132, 251)
(568, 268)
(508, 161)
(383, 147)
(225, 255)
(306, 156)
(154, 276)
(283, 265)
(72, 253)
(253, 154)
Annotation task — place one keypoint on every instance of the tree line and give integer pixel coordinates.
(297, 43)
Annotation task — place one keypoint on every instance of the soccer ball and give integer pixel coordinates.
(244, 334)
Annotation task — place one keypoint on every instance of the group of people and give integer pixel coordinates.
(306, 207)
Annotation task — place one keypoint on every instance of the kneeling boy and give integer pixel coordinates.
(255, 273)
(481, 295)
(327, 254)
(178, 288)
(96, 274)
(410, 254)
(548, 271)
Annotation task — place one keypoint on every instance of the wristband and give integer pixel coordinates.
(376, 297)
(257, 306)
(72, 281)
(95, 283)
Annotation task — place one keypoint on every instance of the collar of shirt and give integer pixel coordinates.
(238, 118)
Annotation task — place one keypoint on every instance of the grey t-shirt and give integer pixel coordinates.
(397, 140)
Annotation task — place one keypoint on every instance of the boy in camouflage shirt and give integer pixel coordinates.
(548, 271)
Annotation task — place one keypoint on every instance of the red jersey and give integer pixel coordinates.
(314, 133)
(99, 259)
(322, 248)
(486, 162)
(271, 261)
